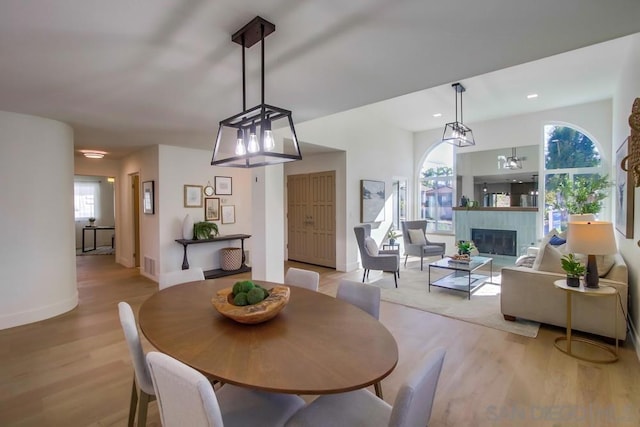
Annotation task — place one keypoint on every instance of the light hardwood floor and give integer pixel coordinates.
(74, 370)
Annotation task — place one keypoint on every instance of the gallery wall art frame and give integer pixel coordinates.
(372, 199)
(624, 192)
(148, 201)
(228, 214)
(212, 209)
(223, 185)
(192, 196)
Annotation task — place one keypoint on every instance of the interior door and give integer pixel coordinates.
(135, 194)
(311, 218)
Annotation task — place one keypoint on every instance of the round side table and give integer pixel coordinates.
(564, 343)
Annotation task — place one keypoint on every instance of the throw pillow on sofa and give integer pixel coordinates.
(417, 237)
(549, 259)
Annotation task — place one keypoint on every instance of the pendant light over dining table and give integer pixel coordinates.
(456, 133)
(262, 135)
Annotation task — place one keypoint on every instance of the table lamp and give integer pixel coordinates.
(591, 238)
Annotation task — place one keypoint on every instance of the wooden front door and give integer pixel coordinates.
(311, 214)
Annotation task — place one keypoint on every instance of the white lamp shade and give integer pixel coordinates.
(591, 238)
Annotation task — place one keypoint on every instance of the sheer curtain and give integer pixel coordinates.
(86, 200)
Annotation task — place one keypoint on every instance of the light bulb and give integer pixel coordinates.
(269, 144)
(240, 148)
(253, 146)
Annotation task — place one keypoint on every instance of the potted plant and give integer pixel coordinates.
(204, 230)
(392, 235)
(573, 268)
(465, 247)
(92, 221)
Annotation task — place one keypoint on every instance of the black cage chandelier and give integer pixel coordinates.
(456, 133)
(246, 139)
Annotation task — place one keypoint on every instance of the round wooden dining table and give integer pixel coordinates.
(316, 345)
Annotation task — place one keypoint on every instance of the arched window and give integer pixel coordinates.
(436, 181)
(571, 160)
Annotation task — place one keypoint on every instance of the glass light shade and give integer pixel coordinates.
(240, 149)
(271, 147)
(456, 133)
(253, 146)
(591, 238)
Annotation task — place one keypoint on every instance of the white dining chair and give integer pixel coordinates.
(366, 298)
(186, 398)
(411, 408)
(180, 276)
(302, 278)
(141, 377)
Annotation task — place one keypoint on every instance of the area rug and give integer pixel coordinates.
(100, 250)
(483, 308)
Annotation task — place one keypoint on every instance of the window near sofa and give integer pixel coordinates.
(436, 189)
(569, 154)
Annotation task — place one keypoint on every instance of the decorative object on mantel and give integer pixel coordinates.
(245, 140)
(456, 133)
(574, 269)
(591, 238)
(631, 162)
(187, 227)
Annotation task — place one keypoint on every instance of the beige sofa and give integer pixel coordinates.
(529, 293)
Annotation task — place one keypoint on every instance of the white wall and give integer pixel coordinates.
(177, 167)
(375, 151)
(37, 253)
(627, 90)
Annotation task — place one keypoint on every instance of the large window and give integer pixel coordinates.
(570, 158)
(399, 203)
(436, 189)
(86, 196)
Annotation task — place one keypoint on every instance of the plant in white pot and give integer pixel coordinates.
(392, 235)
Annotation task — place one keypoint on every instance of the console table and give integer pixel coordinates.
(212, 274)
(95, 229)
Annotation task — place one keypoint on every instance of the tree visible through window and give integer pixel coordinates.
(572, 161)
(436, 189)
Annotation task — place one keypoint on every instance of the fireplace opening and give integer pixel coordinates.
(498, 242)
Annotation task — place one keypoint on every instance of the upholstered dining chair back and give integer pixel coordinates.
(187, 398)
(141, 376)
(412, 406)
(365, 297)
(302, 278)
(180, 276)
(414, 400)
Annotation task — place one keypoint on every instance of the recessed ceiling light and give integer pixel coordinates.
(437, 115)
(93, 154)
(532, 96)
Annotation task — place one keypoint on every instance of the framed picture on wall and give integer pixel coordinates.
(372, 199)
(147, 198)
(211, 209)
(193, 196)
(624, 193)
(228, 214)
(223, 185)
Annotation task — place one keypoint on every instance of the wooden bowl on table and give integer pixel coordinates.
(251, 314)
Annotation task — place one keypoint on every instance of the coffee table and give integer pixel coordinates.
(463, 277)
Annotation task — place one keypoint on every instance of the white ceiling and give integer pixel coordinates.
(127, 74)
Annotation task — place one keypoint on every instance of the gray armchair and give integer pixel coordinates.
(419, 248)
(388, 261)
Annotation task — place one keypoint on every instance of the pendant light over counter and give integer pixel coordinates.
(247, 139)
(456, 133)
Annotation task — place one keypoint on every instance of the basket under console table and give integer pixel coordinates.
(212, 274)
